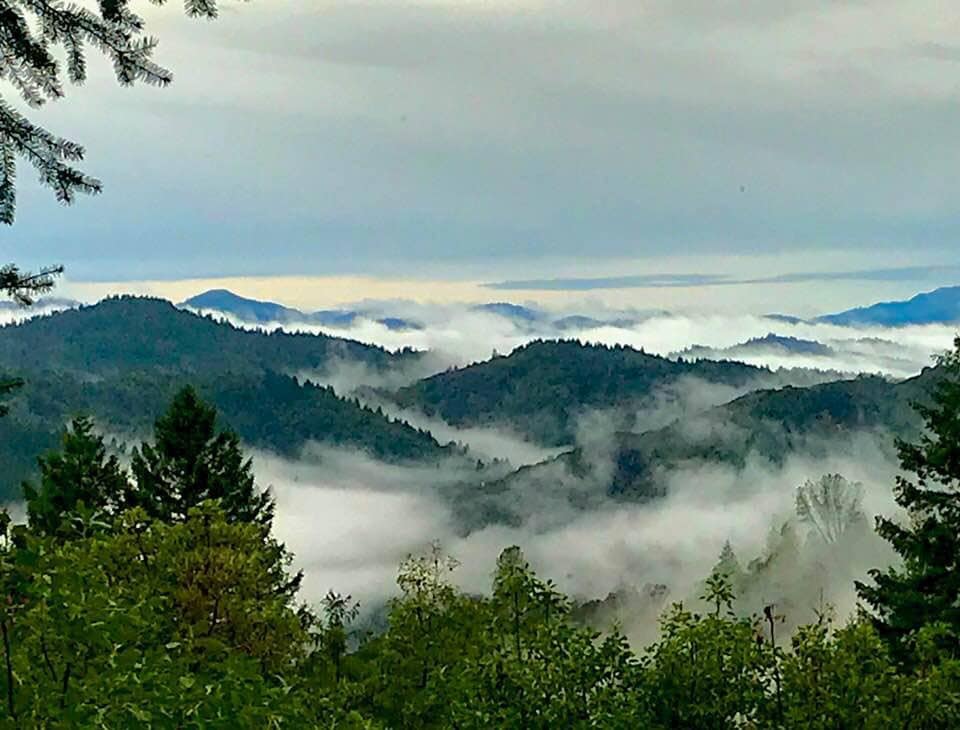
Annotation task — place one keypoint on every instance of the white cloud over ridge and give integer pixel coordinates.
(458, 335)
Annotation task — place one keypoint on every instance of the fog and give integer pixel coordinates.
(457, 335)
(351, 520)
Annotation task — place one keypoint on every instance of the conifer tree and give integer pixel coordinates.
(926, 589)
(80, 473)
(191, 462)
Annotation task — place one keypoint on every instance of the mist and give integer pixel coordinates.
(457, 335)
(350, 521)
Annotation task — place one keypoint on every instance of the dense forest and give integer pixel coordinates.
(156, 596)
(540, 389)
(122, 360)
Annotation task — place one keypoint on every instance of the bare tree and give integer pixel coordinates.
(830, 505)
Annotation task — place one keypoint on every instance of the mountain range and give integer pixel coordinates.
(941, 306)
(259, 312)
(122, 360)
(622, 417)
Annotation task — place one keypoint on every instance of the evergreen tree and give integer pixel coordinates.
(24, 286)
(926, 589)
(190, 462)
(79, 475)
(727, 563)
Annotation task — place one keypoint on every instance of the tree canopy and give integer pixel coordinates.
(188, 616)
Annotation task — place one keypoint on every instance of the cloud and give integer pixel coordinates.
(905, 273)
(456, 335)
(390, 137)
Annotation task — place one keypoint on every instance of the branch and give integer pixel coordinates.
(24, 287)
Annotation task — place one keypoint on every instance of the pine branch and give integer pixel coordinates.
(31, 34)
(24, 287)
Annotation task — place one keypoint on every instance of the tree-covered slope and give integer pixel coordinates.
(122, 360)
(770, 425)
(125, 333)
(541, 388)
(269, 411)
(767, 426)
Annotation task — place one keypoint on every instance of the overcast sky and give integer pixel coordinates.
(522, 140)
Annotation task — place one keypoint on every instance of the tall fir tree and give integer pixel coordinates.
(81, 474)
(926, 589)
(190, 462)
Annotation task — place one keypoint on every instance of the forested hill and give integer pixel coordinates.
(122, 360)
(763, 426)
(125, 333)
(541, 389)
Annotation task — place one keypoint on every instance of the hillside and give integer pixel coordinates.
(765, 426)
(122, 360)
(941, 306)
(134, 332)
(542, 388)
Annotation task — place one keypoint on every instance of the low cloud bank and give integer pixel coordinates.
(351, 520)
(457, 335)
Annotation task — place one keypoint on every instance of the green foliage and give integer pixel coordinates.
(924, 590)
(151, 625)
(707, 671)
(81, 475)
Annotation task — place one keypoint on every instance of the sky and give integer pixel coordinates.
(323, 152)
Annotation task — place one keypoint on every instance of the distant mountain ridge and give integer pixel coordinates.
(522, 316)
(264, 312)
(768, 344)
(941, 306)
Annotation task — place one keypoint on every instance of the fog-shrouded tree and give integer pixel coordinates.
(830, 506)
(925, 591)
(190, 461)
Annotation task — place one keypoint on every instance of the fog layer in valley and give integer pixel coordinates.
(350, 521)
